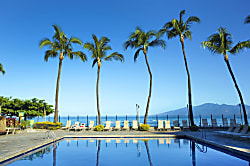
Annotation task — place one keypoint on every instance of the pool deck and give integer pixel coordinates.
(13, 145)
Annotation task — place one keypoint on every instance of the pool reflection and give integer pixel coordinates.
(131, 151)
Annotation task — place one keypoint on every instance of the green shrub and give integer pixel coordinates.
(47, 125)
(23, 124)
(144, 127)
(28, 123)
(99, 128)
(194, 128)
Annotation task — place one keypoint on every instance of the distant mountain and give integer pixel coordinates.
(209, 108)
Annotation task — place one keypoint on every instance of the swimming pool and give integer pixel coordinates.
(129, 151)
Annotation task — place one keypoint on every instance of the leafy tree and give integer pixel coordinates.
(1, 69)
(99, 50)
(61, 45)
(31, 108)
(221, 43)
(182, 29)
(141, 41)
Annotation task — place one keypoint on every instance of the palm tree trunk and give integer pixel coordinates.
(237, 88)
(150, 87)
(97, 94)
(189, 85)
(57, 90)
(98, 153)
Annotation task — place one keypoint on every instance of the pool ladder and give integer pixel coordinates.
(50, 134)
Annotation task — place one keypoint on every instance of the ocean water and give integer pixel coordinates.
(152, 120)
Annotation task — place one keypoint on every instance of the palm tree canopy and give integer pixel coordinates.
(247, 20)
(179, 27)
(99, 50)
(60, 43)
(141, 40)
(221, 42)
(1, 69)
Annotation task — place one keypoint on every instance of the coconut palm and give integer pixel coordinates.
(247, 20)
(99, 52)
(1, 69)
(221, 43)
(182, 29)
(141, 41)
(61, 45)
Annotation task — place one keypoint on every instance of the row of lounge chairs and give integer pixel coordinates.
(215, 124)
(78, 127)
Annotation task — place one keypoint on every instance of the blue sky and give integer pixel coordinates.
(122, 85)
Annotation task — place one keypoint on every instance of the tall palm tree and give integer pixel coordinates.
(61, 45)
(141, 41)
(182, 29)
(221, 43)
(247, 20)
(1, 69)
(99, 52)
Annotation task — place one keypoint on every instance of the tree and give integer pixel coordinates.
(182, 29)
(62, 46)
(141, 41)
(247, 20)
(221, 43)
(1, 69)
(99, 52)
(31, 108)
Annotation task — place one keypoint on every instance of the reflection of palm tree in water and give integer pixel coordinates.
(98, 152)
(193, 153)
(54, 154)
(149, 157)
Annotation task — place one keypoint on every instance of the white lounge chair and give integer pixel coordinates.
(107, 127)
(176, 125)
(214, 123)
(167, 125)
(184, 124)
(68, 124)
(204, 123)
(135, 125)
(125, 126)
(237, 129)
(91, 125)
(82, 127)
(117, 125)
(232, 122)
(76, 126)
(160, 125)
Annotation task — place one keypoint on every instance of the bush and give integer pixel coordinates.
(99, 128)
(144, 127)
(194, 128)
(47, 125)
(23, 124)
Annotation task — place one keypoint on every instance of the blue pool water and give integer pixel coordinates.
(129, 152)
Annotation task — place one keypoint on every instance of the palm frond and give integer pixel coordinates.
(187, 34)
(75, 40)
(114, 56)
(50, 54)
(181, 15)
(94, 62)
(247, 20)
(240, 46)
(1, 69)
(137, 54)
(192, 19)
(45, 42)
(176, 26)
(78, 54)
(158, 42)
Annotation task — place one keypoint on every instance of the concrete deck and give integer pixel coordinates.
(16, 144)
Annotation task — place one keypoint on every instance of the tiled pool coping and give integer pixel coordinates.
(231, 150)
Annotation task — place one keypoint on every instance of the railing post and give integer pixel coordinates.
(68, 117)
(167, 117)
(222, 120)
(59, 118)
(87, 121)
(178, 118)
(106, 117)
(200, 120)
(211, 120)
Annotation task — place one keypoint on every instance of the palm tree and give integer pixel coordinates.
(99, 52)
(142, 41)
(182, 29)
(62, 46)
(247, 20)
(221, 43)
(1, 69)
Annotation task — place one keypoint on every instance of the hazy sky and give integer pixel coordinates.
(122, 85)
